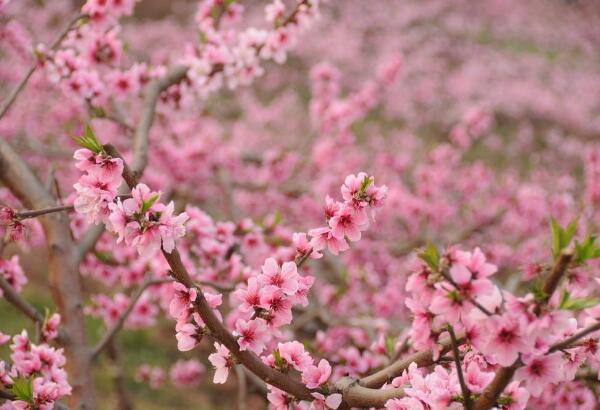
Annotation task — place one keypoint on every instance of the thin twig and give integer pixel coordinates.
(21, 85)
(116, 327)
(39, 212)
(568, 342)
(461, 379)
(11, 295)
(422, 359)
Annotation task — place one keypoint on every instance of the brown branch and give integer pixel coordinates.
(422, 359)
(568, 342)
(140, 143)
(131, 179)
(11, 295)
(88, 240)
(21, 85)
(355, 395)
(118, 325)
(40, 212)
(461, 379)
(490, 395)
(558, 271)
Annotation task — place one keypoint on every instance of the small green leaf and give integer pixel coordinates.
(279, 362)
(555, 230)
(537, 292)
(89, 140)
(430, 256)
(365, 184)
(390, 346)
(580, 303)
(505, 400)
(148, 203)
(23, 389)
(587, 249)
(561, 238)
(564, 299)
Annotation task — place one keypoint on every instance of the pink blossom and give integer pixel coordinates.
(278, 306)
(253, 334)
(285, 278)
(187, 373)
(405, 403)
(154, 376)
(314, 376)
(540, 371)
(50, 327)
(11, 271)
(188, 337)
(323, 238)
(321, 402)
(505, 339)
(222, 362)
(295, 355)
(249, 298)
(182, 298)
(348, 222)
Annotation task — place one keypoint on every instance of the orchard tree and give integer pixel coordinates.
(194, 173)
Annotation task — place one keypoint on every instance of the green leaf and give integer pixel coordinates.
(279, 362)
(537, 291)
(390, 346)
(564, 299)
(89, 140)
(579, 303)
(365, 184)
(586, 250)
(149, 202)
(430, 256)
(23, 389)
(561, 238)
(505, 400)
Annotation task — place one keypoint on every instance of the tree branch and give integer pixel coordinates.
(140, 142)
(422, 359)
(461, 379)
(11, 295)
(568, 342)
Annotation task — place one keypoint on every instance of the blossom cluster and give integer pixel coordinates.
(97, 188)
(15, 230)
(12, 273)
(35, 374)
(500, 330)
(140, 221)
(93, 52)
